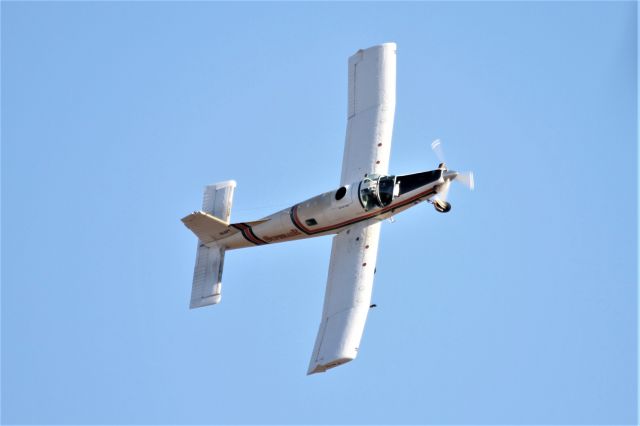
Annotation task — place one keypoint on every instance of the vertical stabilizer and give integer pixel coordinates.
(218, 198)
(207, 275)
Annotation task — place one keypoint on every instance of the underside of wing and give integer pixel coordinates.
(371, 111)
(347, 297)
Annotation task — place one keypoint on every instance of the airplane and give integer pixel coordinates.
(353, 212)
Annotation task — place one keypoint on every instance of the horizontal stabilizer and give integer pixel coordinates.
(210, 225)
(207, 277)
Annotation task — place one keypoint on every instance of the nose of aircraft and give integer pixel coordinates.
(449, 175)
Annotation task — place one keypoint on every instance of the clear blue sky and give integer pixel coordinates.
(518, 307)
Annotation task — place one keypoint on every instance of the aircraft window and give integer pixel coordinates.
(311, 222)
(340, 193)
(386, 186)
(376, 191)
(368, 189)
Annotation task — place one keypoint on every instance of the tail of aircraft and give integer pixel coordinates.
(207, 275)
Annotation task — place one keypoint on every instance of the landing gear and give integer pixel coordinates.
(441, 206)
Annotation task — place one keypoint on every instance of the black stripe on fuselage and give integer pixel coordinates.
(248, 234)
(253, 234)
(294, 216)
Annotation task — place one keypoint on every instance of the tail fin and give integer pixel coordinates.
(218, 198)
(207, 275)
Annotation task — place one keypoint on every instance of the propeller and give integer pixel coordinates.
(465, 178)
(436, 146)
(443, 192)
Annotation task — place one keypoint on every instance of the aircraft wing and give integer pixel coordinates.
(347, 297)
(371, 110)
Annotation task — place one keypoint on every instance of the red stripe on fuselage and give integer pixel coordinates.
(248, 234)
(308, 231)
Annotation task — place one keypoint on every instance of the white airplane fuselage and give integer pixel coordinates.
(373, 199)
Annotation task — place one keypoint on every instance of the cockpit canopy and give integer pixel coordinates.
(377, 191)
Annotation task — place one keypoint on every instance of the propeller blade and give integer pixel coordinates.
(443, 192)
(466, 178)
(436, 146)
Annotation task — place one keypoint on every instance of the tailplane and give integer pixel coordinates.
(208, 226)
